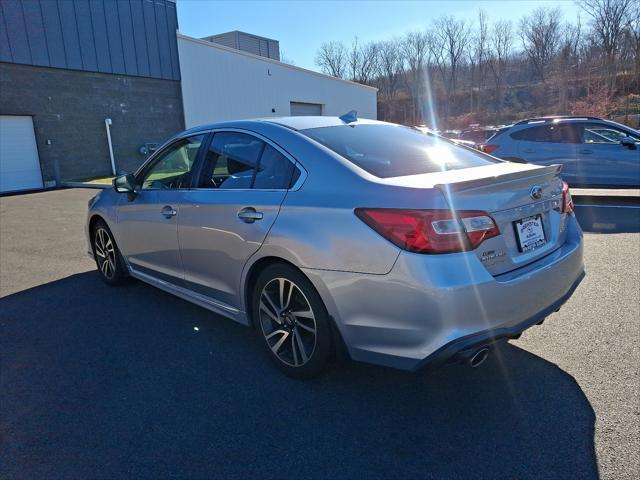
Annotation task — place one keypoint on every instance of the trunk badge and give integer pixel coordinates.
(536, 192)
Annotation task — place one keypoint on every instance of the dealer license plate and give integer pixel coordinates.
(530, 233)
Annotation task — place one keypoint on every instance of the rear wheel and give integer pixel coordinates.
(292, 321)
(108, 258)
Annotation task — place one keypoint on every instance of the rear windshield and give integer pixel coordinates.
(395, 151)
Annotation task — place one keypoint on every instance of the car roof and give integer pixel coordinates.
(293, 123)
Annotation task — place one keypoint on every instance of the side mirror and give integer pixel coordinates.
(628, 142)
(125, 184)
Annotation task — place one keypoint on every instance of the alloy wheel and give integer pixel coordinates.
(287, 321)
(105, 253)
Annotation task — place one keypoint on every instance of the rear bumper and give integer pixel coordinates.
(429, 307)
(487, 337)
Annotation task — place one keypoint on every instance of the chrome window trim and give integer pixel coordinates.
(296, 186)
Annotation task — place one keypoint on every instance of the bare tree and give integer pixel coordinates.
(415, 52)
(501, 43)
(478, 53)
(540, 34)
(390, 70)
(633, 40)
(608, 23)
(453, 37)
(332, 59)
(369, 62)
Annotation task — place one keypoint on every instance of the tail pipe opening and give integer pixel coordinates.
(479, 357)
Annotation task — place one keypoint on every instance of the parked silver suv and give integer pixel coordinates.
(592, 151)
(322, 232)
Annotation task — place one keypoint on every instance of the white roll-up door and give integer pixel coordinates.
(300, 109)
(19, 163)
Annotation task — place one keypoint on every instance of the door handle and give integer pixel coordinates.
(529, 150)
(586, 152)
(249, 215)
(168, 212)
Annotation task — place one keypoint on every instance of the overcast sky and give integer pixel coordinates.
(302, 26)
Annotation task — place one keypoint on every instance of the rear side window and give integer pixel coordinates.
(562, 133)
(237, 160)
(275, 171)
(395, 151)
(231, 160)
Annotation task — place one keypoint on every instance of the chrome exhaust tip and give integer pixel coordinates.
(479, 357)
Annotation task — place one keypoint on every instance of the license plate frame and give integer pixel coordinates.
(537, 235)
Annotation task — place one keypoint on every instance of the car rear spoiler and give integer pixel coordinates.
(501, 178)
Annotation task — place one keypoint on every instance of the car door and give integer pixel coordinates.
(242, 183)
(549, 144)
(148, 220)
(611, 163)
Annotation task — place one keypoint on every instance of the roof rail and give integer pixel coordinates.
(556, 117)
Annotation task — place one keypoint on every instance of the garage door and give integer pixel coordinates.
(19, 163)
(299, 109)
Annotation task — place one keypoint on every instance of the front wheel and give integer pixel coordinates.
(107, 255)
(292, 321)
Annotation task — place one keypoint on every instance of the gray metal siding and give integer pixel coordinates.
(131, 37)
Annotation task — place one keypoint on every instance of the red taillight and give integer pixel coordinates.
(567, 201)
(488, 148)
(430, 231)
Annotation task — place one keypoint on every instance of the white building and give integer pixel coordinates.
(221, 83)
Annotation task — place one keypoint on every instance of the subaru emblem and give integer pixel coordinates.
(536, 192)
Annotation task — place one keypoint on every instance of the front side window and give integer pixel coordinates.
(598, 133)
(240, 161)
(172, 168)
(394, 151)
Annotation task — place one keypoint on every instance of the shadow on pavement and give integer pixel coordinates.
(100, 382)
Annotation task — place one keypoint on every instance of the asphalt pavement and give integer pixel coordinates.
(131, 382)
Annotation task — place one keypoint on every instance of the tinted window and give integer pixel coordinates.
(172, 168)
(563, 133)
(393, 151)
(231, 161)
(275, 171)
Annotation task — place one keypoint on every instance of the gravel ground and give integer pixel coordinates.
(97, 382)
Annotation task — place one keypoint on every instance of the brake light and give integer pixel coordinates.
(488, 148)
(567, 201)
(430, 231)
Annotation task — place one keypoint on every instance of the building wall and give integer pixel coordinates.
(219, 83)
(69, 108)
(127, 37)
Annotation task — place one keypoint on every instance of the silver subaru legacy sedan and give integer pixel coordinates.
(336, 235)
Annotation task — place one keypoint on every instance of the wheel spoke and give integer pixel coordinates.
(266, 310)
(306, 327)
(303, 314)
(276, 346)
(99, 251)
(271, 304)
(288, 301)
(301, 347)
(293, 349)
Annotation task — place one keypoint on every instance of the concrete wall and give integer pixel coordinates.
(69, 108)
(219, 83)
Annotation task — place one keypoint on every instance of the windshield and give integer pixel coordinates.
(395, 151)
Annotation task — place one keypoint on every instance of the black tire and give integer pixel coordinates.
(111, 266)
(295, 355)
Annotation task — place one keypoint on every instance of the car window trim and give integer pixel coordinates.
(296, 186)
(153, 159)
